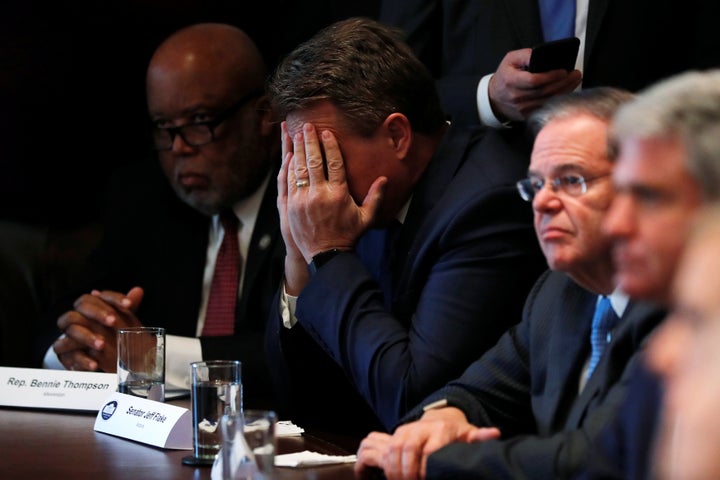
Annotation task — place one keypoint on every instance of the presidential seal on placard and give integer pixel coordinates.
(108, 410)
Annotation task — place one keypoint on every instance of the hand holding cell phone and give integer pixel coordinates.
(554, 55)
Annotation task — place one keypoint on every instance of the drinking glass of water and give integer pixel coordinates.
(216, 391)
(141, 362)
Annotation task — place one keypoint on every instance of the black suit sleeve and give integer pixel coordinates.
(623, 449)
(495, 389)
(528, 455)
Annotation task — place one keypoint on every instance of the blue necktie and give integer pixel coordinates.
(558, 18)
(604, 320)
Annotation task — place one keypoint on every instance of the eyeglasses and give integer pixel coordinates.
(200, 133)
(573, 185)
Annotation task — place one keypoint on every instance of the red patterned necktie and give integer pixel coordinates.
(220, 314)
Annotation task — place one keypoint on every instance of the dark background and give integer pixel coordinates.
(72, 110)
(72, 98)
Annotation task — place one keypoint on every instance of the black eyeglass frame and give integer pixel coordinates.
(209, 126)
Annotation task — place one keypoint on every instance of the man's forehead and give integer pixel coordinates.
(566, 143)
(295, 120)
(563, 168)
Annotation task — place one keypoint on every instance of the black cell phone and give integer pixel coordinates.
(554, 55)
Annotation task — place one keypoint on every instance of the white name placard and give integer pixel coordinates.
(63, 389)
(146, 421)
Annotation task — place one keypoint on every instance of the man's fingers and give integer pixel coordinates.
(313, 156)
(286, 175)
(65, 344)
(85, 337)
(483, 434)
(518, 59)
(411, 462)
(299, 166)
(371, 451)
(106, 359)
(335, 164)
(372, 201)
(117, 300)
(78, 360)
(123, 307)
(285, 140)
(77, 326)
(402, 458)
(136, 294)
(94, 308)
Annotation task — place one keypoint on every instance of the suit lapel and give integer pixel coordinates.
(183, 261)
(525, 18)
(637, 322)
(596, 14)
(442, 168)
(570, 342)
(262, 243)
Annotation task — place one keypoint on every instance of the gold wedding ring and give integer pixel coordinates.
(303, 182)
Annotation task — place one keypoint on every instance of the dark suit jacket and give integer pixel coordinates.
(624, 448)
(527, 385)
(154, 240)
(628, 43)
(467, 258)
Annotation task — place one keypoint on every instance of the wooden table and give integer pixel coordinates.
(41, 444)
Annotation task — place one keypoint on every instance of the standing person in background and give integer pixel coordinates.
(552, 381)
(479, 49)
(218, 154)
(412, 254)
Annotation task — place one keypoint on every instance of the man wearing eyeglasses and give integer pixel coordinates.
(529, 406)
(218, 155)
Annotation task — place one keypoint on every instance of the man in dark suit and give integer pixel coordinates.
(217, 150)
(542, 387)
(623, 44)
(668, 167)
(379, 322)
(685, 353)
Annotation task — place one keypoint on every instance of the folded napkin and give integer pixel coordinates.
(309, 459)
(285, 428)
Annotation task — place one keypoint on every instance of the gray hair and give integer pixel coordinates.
(686, 107)
(599, 102)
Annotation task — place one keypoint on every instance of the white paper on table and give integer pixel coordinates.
(285, 428)
(307, 458)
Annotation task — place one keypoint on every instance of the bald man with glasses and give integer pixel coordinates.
(528, 407)
(207, 200)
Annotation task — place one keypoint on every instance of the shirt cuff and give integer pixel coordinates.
(51, 360)
(442, 403)
(287, 308)
(487, 116)
(179, 352)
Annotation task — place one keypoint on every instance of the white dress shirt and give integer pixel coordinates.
(487, 117)
(180, 351)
